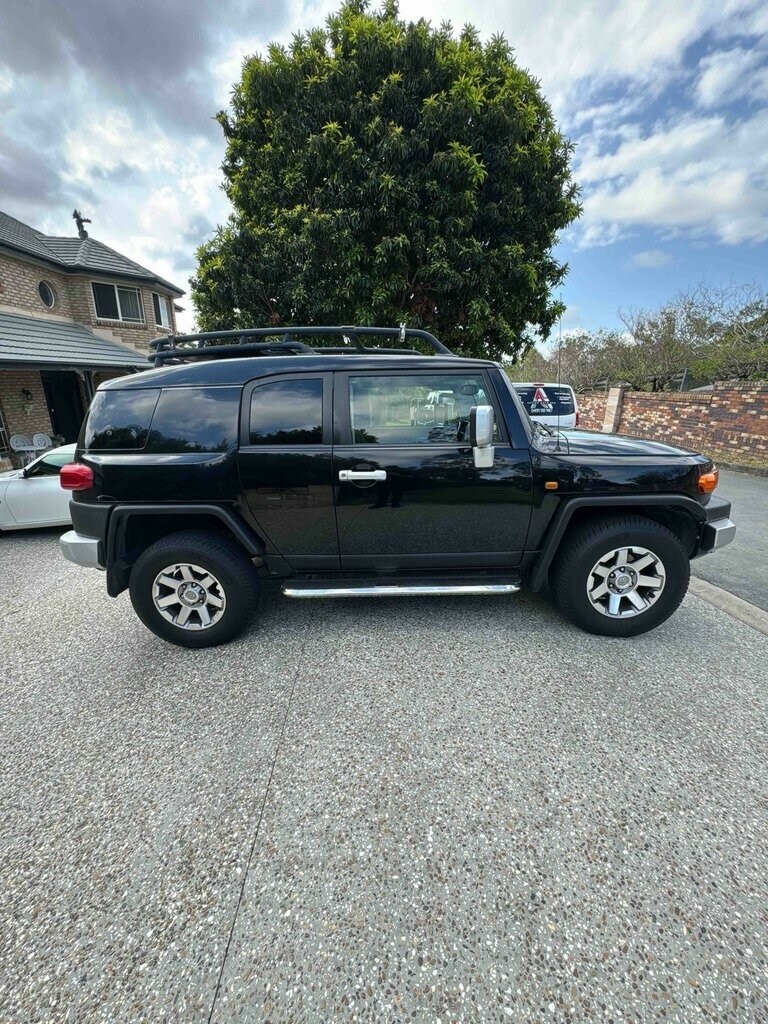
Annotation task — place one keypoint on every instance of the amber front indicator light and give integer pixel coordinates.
(76, 477)
(708, 481)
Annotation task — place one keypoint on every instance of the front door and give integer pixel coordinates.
(285, 465)
(62, 395)
(431, 508)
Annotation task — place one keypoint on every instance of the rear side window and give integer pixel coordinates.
(546, 400)
(119, 420)
(287, 412)
(195, 420)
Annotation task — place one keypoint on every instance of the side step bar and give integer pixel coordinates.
(392, 588)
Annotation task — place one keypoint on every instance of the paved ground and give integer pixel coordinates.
(742, 567)
(448, 810)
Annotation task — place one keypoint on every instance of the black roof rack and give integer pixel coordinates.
(207, 344)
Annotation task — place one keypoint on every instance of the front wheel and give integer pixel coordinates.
(619, 577)
(195, 589)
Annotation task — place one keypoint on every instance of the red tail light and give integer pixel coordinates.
(578, 414)
(76, 477)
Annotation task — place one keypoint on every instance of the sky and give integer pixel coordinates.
(108, 107)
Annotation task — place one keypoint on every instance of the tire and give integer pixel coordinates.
(229, 601)
(572, 580)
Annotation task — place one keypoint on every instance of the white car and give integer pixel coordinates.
(33, 496)
(554, 405)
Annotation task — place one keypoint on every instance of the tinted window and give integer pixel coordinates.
(422, 409)
(287, 412)
(195, 420)
(119, 420)
(105, 297)
(546, 400)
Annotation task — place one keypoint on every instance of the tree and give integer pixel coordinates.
(383, 172)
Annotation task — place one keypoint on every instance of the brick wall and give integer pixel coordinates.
(19, 283)
(591, 411)
(23, 415)
(730, 423)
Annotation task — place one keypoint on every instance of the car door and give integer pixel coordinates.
(421, 502)
(285, 464)
(38, 499)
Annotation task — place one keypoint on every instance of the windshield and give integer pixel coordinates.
(546, 400)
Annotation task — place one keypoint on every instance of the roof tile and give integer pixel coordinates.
(28, 341)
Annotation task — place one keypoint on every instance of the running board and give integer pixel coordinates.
(391, 588)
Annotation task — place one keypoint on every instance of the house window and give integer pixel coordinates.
(47, 294)
(115, 303)
(162, 312)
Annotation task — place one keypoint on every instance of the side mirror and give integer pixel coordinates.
(24, 472)
(481, 422)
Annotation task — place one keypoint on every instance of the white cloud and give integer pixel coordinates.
(704, 176)
(729, 75)
(650, 259)
(6, 80)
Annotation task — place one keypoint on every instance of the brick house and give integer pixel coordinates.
(73, 312)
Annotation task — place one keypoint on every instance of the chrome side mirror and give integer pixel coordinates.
(481, 422)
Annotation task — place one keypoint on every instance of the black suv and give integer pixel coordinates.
(359, 470)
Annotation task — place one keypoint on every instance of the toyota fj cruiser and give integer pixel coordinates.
(248, 455)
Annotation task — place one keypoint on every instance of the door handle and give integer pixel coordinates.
(366, 474)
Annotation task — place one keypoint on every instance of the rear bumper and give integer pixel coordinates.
(718, 529)
(81, 550)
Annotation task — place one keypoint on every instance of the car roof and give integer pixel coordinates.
(218, 372)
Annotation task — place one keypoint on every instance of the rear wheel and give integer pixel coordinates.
(195, 589)
(619, 577)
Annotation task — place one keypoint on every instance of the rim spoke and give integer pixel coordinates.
(601, 570)
(204, 614)
(641, 563)
(649, 581)
(186, 573)
(183, 616)
(613, 604)
(636, 600)
(168, 581)
(209, 581)
(600, 591)
(622, 558)
(215, 601)
(166, 602)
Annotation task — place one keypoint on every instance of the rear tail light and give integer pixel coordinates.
(708, 480)
(578, 414)
(76, 477)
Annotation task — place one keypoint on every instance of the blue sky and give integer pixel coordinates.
(108, 107)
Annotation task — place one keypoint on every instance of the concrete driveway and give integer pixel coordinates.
(742, 567)
(447, 810)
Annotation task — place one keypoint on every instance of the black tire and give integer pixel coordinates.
(220, 557)
(583, 547)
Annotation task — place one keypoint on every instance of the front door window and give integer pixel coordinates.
(414, 410)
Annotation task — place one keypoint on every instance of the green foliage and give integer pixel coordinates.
(383, 172)
(713, 333)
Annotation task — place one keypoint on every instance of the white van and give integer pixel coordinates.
(551, 404)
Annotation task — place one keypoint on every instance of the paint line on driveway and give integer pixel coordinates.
(729, 603)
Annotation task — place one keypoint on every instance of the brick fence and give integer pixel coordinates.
(730, 422)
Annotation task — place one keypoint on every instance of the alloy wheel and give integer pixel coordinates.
(188, 596)
(625, 582)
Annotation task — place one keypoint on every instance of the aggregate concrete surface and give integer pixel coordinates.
(393, 810)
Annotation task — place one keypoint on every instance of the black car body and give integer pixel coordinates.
(336, 472)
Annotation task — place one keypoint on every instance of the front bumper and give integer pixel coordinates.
(81, 550)
(718, 529)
